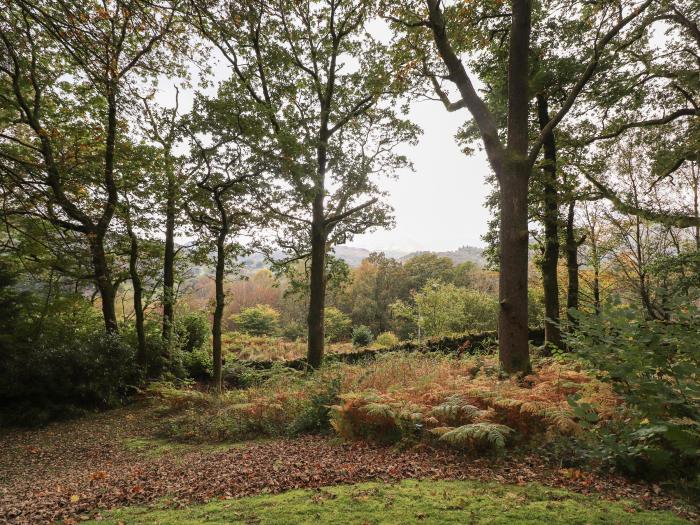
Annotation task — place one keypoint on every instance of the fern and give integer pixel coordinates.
(379, 410)
(478, 434)
(454, 408)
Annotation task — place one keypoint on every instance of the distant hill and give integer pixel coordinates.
(354, 256)
(458, 256)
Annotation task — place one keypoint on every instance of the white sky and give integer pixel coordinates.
(440, 206)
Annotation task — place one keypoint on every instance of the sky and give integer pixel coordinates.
(439, 206)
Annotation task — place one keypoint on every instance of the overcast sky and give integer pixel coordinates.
(440, 206)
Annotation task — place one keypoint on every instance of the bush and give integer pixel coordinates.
(70, 365)
(294, 331)
(192, 331)
(361, 336)
(337, 325)
(198, 364)
(55, 358)
(260, 319)
(386, 340)
(654, 366)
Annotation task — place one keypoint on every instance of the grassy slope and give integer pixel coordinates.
(406, 503)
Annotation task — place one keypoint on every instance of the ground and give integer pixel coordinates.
(406, 503)
(78, 469)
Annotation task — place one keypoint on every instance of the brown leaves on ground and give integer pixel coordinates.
(70, 470)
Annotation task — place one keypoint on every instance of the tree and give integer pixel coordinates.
(331, 126)
(337, 326)
(376, 283)
(442, 309)
(424, 267)
(510, 151)
(102, 50)
(219, 207)
(161, 126)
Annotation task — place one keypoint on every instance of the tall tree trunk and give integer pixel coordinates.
(572, 265)
(550, 259)
(596, 289)
(513, 177)
(141, 357)
(169, 264)
(99, 258)
(513, 331)
(103, 281)
(220, 299)
(317, 286)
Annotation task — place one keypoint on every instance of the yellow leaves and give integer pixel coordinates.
(74, 498)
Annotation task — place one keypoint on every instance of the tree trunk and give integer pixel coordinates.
(596, 289)
(218, 309)
(550, 259)
(169, 265)
(141, 357)
(572, 265)
(513, 332)
(103, 281)
(514, 175)
(317, 286)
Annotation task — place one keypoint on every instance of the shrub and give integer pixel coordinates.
(260, 319)
(198, 364)
(294, 331)
(69, 366)
(654, 366)
(386, 340)
(337, 325)
(315, 417)
(361, 336)
(55, 358)
(192, 331)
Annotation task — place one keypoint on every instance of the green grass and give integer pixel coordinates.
(156, 448)
(406, 503)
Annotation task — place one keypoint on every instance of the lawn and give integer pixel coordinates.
(405, 503)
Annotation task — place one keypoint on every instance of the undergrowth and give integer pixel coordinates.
(396, 398)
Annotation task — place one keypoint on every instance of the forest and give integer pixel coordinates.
(189, 335)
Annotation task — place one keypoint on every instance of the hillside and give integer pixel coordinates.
(458, 256)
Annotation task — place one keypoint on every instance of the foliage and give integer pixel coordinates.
(198, 364)
(362, 336)
(654, 366)
(475, 435)
(57, 365)
(443, 309)
(386, 340)
(293, 331)
(337, 325)
(275, 402)
(238, 345)
(192, 331)
(260, 319)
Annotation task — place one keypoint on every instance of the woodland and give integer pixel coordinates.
(182, 339)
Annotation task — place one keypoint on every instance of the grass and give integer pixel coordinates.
(406, 503)
(157, 448)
